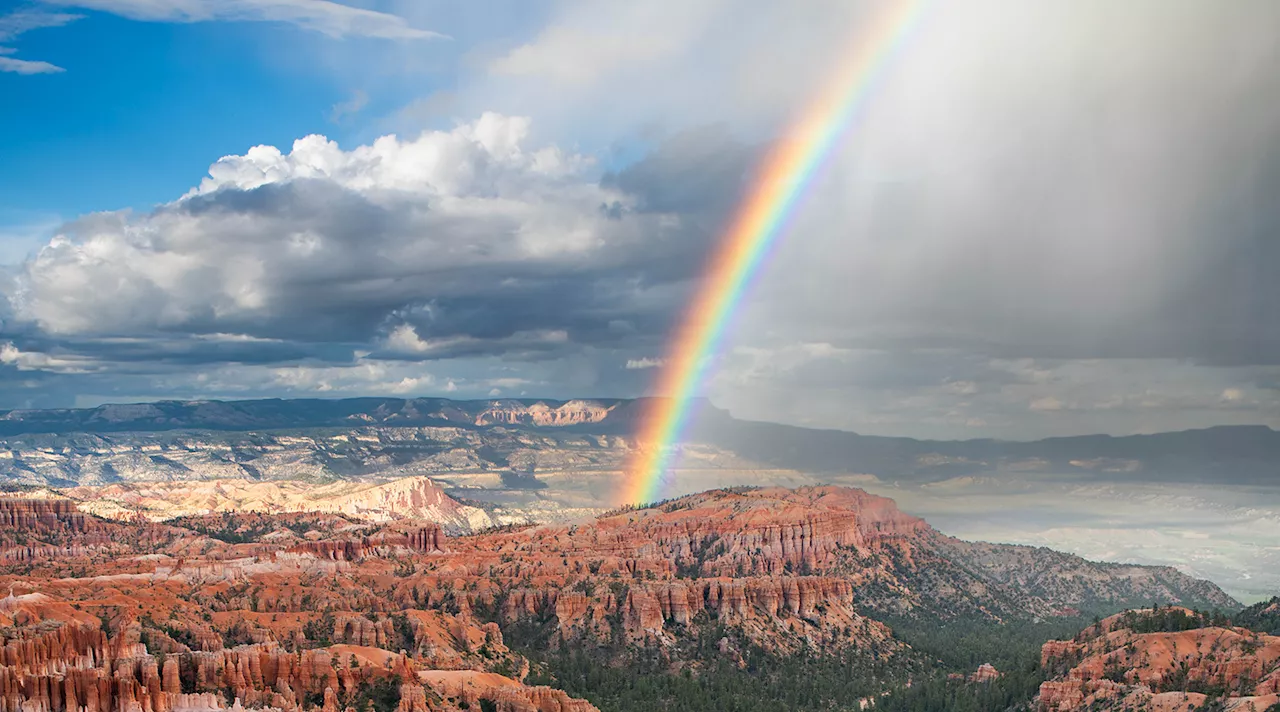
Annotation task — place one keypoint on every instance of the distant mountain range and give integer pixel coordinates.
(1234, 454)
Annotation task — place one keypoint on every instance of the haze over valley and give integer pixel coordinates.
(551, 462)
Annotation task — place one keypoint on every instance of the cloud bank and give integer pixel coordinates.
(1048, 218)
(465, 243)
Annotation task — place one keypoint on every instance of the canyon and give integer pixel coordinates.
(328, 610)
(407, 555)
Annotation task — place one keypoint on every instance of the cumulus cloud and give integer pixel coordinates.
(459, 244)
(324, 16)
(462, 232)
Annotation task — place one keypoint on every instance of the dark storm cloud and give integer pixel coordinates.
(701, 171)
(1108, 194)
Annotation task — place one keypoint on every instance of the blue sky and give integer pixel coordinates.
(1023, 233)
(139, 109)
(142, 108)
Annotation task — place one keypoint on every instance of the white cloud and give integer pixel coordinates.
(591, 40)
(402, 219)
(26, 66)
(15, 24)
(636, 364)
(404, 341)
(22, 233)
(605, 71)
(485, 155)
(457, 261)
(329, 18)
(11, 355)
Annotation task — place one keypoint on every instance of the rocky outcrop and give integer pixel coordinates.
(1112, 667)
(42, 515)
(422, 539)
(76, 667)
(468, 688)
(727, 533)
(54, 528)
(985, 673)
(245, 442)
(820, 607)
(1075, 582)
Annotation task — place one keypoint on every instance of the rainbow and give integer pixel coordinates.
(782, 178)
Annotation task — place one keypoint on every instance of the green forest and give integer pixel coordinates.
(623, 679)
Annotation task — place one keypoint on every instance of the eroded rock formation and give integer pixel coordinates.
(1112, 667)
(296, 612)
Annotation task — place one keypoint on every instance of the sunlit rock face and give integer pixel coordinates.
(1112, 666)
(301, 610)
(417, 498)
(574, 412)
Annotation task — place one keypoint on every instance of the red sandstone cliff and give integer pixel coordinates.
(295, 612)
(1110, 667)
(61, 659)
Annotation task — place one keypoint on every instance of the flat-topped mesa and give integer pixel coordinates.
(412, 498)
(574, 412)
(771, 530)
